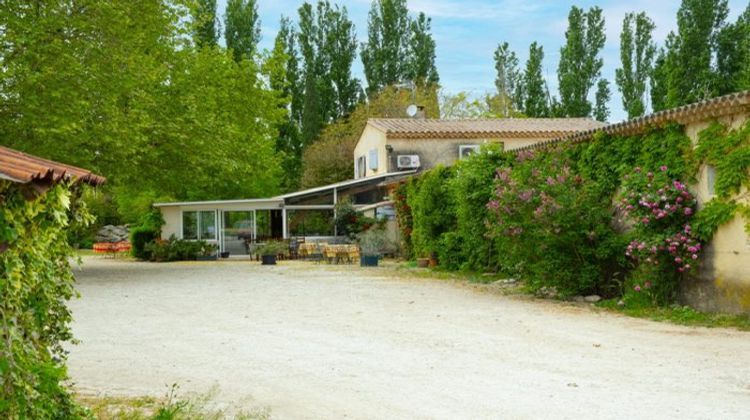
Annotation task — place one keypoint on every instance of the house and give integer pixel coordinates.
(233, 225)
(394, 144)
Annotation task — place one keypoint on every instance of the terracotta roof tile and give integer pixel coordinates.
(482, 128)
(700, 111)
(23, 168)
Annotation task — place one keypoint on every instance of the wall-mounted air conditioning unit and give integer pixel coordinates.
(407, 161)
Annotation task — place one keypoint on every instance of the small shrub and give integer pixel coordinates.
(373, 242)
(140, 237)
(177, 249)
(273, 248)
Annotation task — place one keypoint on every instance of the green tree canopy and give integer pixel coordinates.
(508, 81)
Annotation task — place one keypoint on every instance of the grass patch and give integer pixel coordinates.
(170, 407)
(681, 315)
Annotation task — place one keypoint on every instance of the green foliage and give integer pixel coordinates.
(535, 93)
(273, 248)
(433, 209)
(205, 23)
(147, 232)
(398, 48)
(601, 109)
(242, 28)
(35, 283)
(580, 62)
(373, 241)
(637, 52)
(470, 247)
(713, 214)
(685, 72)
(728, 151)
(552, 227)
(127, 96)
(733, 55)
(349, 222)
(175, 249)
(508, 81)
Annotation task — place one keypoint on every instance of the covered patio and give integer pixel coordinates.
(239, 226)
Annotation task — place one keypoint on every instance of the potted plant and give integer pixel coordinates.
(423, 262)
(225, 254)
(207, 252)
(371, 243)
(270, 250)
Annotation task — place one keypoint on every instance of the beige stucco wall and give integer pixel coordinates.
(371, 139)
(723, 283)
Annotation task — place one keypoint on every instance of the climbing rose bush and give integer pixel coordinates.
(660, 209)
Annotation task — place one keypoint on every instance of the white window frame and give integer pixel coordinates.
(198, 227)
(361, 166)
(461, 148)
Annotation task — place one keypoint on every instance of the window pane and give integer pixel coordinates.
(374, 159)
(208, 225)
(189, 225)
(310, 222)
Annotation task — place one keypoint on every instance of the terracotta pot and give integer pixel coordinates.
(433, 262)
(423, 262)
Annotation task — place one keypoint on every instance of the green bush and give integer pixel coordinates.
(433, 209)
(140, 237)
(175, 249)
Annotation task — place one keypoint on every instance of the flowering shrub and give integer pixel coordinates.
(660, 209)
(551, 228)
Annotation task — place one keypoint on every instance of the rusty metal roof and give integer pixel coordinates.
(22, 168)
(699, 111)
(482, 128)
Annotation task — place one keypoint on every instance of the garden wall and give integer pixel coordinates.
(598, 215)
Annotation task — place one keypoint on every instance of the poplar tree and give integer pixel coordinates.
(508, 81)
(690, 74)
(535, 92)
(205, 23)
(733, 55)
(385, 54)
(637, 52)
(242, 28)
(327, 43)
(580, 62)
(422, 67)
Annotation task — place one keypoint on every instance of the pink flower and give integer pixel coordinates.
(663, 168)
(647, 285)
(688, 211)
(695, 256)
(678, 260)
(637, 288)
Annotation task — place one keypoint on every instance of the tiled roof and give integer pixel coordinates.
(482, 128)
(699, 111)
(20, 167)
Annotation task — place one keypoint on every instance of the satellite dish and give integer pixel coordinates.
(411, 110)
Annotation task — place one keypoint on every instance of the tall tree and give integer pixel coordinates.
(328, 49)
(283, 74)
(637, 52)
(385, 54)
(535, 92)
(733, 55)
(508, 81)
(422, 69)
(242, 28)
(205, 23)
(580, 62)
(691, 54)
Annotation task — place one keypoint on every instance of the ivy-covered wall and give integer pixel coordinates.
(624, 217)
(35, 283)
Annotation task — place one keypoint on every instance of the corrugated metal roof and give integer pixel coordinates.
(703, 110)
(22, 168)
(482, 128)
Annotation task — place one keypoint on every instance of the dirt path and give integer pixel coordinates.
(312, 341)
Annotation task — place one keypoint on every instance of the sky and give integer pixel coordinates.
(467, 33)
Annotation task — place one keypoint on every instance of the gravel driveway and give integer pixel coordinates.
(314, 341)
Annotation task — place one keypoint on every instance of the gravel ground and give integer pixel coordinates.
(314, 341)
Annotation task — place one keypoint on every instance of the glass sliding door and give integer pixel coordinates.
(238, 231)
